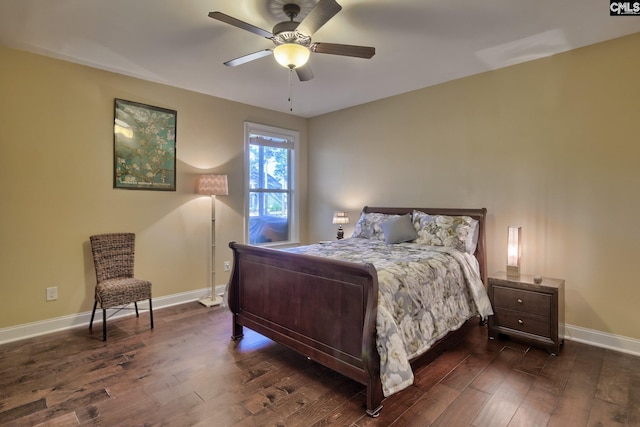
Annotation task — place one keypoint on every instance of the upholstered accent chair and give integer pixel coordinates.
(113, 257)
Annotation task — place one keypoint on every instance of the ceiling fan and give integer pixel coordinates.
(293, 39)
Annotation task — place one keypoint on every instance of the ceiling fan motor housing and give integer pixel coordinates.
(291, 10)
(286, 26)
(285, 32)
(284, 37)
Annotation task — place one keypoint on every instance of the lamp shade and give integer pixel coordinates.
(514, 251)
(213, 185)
(291, 55)
(340, 217)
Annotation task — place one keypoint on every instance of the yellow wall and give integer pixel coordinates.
(56, 179)
(551, 145)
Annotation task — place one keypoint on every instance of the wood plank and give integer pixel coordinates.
(532, 412)
(346, 413)
(467, 371)
(574, 405)
(490, 379)
(607, 414)
(21, 411)
(324, 402)
(394, 406)
(68, 406)
(464, 409)
(613, 384)
(446, 364)
(429, 407)
(66, 420)
(634, 395)
(534, 361)
(504, 403)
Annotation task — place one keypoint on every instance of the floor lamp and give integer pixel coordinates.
(212, 185)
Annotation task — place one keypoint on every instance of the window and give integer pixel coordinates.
(270, 173)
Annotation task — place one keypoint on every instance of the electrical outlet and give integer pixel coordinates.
(52, 293)
(227, 266)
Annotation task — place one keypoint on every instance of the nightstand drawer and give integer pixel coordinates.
(522, 301)
(524, 322)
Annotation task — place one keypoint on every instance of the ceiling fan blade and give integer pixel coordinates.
(240, 24)
(304, 73)
(319, 15)
(344, 50)
(246, 58)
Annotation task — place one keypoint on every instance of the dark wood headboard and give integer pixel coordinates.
(478, 214)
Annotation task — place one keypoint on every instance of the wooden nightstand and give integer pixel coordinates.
(523, 309)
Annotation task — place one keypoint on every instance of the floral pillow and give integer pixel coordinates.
(369, 226)
(459, 232)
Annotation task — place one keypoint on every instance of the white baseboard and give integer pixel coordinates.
(220, 289)
(602, 339)
(27, 330)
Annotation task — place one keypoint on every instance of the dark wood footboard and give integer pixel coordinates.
(325, 309)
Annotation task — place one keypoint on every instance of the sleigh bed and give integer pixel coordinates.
(323, 302)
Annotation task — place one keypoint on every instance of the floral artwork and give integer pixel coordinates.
(144, 147)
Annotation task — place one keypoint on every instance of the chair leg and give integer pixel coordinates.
(136, 304)
(104, 324)
(150, 313)
(93, 313)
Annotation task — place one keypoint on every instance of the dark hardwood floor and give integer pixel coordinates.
(188, 372)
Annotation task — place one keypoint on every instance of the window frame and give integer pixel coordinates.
(293, 182)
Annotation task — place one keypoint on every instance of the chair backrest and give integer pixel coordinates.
(113, 255)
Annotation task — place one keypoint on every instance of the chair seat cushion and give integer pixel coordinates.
(115, 292)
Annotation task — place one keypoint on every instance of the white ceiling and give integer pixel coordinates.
(418, 43)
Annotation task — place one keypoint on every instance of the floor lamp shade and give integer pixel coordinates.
(213, 185)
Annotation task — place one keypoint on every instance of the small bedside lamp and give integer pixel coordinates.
(340, 218)
(514, 250)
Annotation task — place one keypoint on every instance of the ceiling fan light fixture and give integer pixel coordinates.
(291, 55)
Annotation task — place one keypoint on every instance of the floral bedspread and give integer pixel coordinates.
(424, 293)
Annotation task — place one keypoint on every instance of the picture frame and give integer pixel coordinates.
(144, 147)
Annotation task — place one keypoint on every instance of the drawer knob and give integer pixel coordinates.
(519, 301)
(520, 321)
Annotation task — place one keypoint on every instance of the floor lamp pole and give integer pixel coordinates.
(212, 300)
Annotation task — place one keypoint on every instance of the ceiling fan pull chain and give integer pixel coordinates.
(290, 90)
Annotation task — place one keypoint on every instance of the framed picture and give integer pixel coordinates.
(144, 147)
